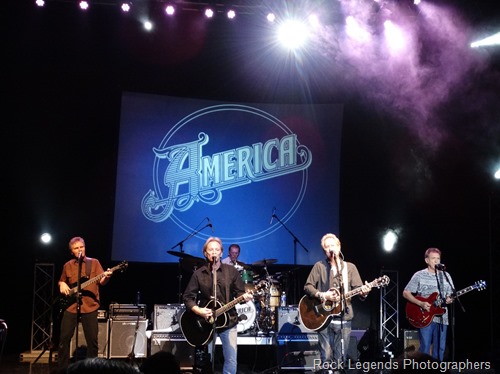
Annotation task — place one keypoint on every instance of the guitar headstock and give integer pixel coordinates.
(122, 266)
(381, 282)
(480, 285)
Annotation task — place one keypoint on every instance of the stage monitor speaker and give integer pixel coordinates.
(176, 344)
(289, 322)
(122, 335)
(297, 351)
(167, 316)
(102, 341)
(411, 342)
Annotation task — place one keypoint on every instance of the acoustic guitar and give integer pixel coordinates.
(316, 315)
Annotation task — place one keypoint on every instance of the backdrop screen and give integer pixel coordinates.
(265, 176)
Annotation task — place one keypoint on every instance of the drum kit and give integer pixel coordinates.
(256, 316)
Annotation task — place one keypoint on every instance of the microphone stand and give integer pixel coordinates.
(78, 303)
(179, 270)
(342, 308)
(295, 241)
(214, 325)
(452, 315)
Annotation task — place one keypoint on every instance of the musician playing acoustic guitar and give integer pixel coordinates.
(333, 273)
(199, 316)
(421, 291)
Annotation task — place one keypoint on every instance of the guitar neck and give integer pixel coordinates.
(356, 291)
(465, 290)
(93, 280)
(231, 304)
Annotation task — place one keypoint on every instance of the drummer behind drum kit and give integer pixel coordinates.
(256, 316)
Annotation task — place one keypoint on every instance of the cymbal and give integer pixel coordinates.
(265, 262)
(243, 265)
(181, 254)
(192, 263)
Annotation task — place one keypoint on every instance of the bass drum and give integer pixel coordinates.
(246, 315)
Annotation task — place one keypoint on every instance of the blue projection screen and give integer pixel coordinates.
(185, 163)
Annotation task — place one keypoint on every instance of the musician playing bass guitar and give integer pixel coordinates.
(428, 292)
(326, 281)
(198, 320)
(90, 268)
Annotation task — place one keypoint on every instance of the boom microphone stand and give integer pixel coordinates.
(181, 244)
(78, 303)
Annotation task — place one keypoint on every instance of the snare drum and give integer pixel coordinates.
(275, 295)
(246, 315)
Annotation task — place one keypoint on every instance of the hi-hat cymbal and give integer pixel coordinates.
(265, 262)
(192, 263)
(243, 265)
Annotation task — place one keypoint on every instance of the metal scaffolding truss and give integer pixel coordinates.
(389, 317)
(43, 291)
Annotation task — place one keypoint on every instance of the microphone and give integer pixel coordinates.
(210, 224)
(303, 353)
(215, 259)
(440, 266)
(272, 216)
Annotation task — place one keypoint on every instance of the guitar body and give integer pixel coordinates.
(196, 329)
(421, 318)
(316, 315)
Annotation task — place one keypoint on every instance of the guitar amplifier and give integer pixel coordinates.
(297, 351)
(176, 344)
(411, 342)
(122, 336)
(289, 322)
(102, 341)
(127, 312)
(166, 317)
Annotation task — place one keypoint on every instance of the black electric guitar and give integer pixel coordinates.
(419, 317)
(198, 331)
(62, 302)
(316, 315)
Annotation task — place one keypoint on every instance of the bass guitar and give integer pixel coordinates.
(316, 315)
(198, 331)
(419, 317)
(62, 302)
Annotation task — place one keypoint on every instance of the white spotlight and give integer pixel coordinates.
(125, 7)
(231, 14)
(46, 238)
(209, 13)
(148, 25)
(40, 3)
(271, 17)
(170, 10)
(84, 5)
(490, 40)
(292, 34)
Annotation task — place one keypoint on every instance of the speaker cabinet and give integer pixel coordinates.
(176, 344)
(289, 322)
(122, 335)
(297, 351)
(166, 317)
(102, 340)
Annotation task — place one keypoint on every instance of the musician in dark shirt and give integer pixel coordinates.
(90, 267)
(199, 292)
(326, 275)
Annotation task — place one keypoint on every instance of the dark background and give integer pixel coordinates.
(430, 174)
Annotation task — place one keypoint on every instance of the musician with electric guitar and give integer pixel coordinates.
(90, 269)
(327, 306)
(208, 311)
(433, 280)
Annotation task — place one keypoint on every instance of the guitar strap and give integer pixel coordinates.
(88, 266)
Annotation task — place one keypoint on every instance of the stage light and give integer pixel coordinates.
(84, 5)
(490, 40)
(46, 238)
(271, 17)
(393, 36)
(125, 7)
(209, 13)
(231, 14)
(170, 10)
(148, 25)
(416, 2)
(292, 34)
(355, 30)
(40, 3)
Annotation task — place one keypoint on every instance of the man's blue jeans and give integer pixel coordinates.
(435, 335)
